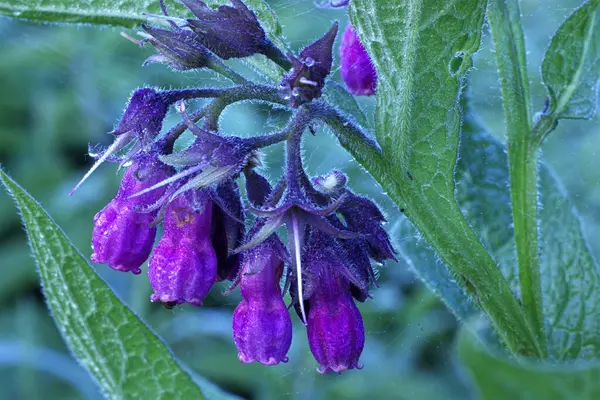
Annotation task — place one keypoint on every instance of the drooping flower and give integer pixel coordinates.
(334, 326)
(305, 81)
(262, 328)
(360, 215)
(183, 267)
(356, 67)
(123, 235)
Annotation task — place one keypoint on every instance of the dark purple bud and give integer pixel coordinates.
(262, 328)
(227, 228)
(258, 188)
(123, 235)
(183, 266)
(180, 49)
(356, 67)
(144, 115)
(306, 79)
(229, 32)
(335, 328)
(363, 216)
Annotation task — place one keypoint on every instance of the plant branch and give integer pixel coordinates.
(219, 67)
(212, 111)
(277, 56)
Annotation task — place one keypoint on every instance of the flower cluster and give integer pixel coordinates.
(333, 234)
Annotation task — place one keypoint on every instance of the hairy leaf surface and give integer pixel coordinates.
(421, 67)
(571, 67)
(570, 275)
(126, 359)
(497, 377)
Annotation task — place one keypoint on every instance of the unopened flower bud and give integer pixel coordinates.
(362, 215)
(180, 49)
(183, 267)
(306, 79)
(123, 236)
(262, 328)
(356, 67)
(144, 115)
(229, 32)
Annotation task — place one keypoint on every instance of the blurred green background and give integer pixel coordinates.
(63, 87)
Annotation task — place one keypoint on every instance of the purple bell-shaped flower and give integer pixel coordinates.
(262, 328)
(183, 267)
(123, 235)
(356, 67)
(336, 334)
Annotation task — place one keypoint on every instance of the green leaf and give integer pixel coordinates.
(421, 69)
(416, 254)
(570, 275)
(336, 95)
(571, 67)
(124, 356)
(116, 12)
(497, 377)
(505, 22)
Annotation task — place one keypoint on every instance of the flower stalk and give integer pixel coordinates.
(333, 234)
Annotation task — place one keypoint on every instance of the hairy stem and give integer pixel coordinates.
(277, 56)
(219, 67)
(212, 111)
(504, 19)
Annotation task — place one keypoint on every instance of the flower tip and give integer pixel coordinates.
(339, 368)
(245, 359)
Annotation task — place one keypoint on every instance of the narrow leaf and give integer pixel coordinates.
(498, 378)
(571, 67)
(421, 70)
(126, 359)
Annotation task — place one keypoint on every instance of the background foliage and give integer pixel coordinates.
(64, 87)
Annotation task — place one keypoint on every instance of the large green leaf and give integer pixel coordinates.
(422, 50)
(570, 275)
(113, 12)
(497, 377)
(124, 356)
(571, 67)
